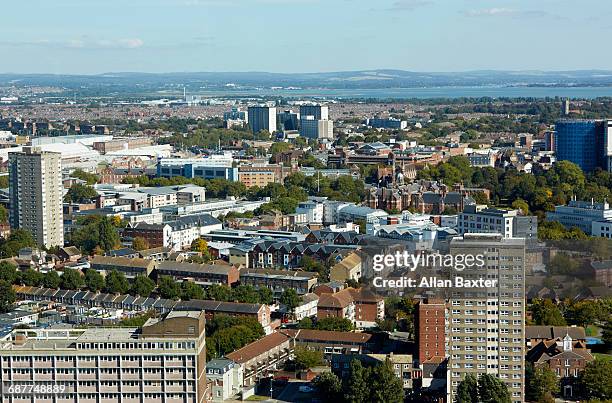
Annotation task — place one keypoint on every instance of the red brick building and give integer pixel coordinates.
(430, 329)
(360, 306)
(566, 358)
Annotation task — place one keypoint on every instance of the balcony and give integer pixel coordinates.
(87, 376)
(127, 376)
(109, 377)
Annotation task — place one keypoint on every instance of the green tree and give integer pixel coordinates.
(595, 381)
(305, 358)
(585, 313)
(467, 390)
(51, 279)
(305, 323)
(290, 299)
(190, 290)
(522, 205)
(142, 286)
(96, 232)
(492, 390)
(336, 324)
(9, 273)
(80, 194)
(139, 243)
(168, 288)
(358, 384)
(19, 238)
(94, 280)
(32, 278)
(199, 245)
(218, 292)
(90, 178)
(72, 279)
(265, 296)
(4, 216)
(116, 283)
(328, 386)
(540, 383)
(546, 313)
(109, 237)
(7, 296)
(386, 386)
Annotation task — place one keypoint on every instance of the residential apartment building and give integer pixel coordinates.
(279, 280)
(261, 174)
(430, 329)
(36, 194)
(360, 306)
(259, 359)
(482, 219)
(177, 234)
(164, 361)
(259, 312)
(487, 324)
(130, 267)
(225, 378)
(262, 118)
(331, 342)
(348, 268)
(201, 274)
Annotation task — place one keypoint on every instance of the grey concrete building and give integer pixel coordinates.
(36, 192)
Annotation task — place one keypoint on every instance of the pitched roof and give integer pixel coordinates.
(121, 261)
(554, 332)
(194, 267)
(71, 250)
(258, 347)
(218, 306)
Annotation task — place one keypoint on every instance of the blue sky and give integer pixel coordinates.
(95, 36)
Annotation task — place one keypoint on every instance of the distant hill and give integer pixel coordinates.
(342, 79)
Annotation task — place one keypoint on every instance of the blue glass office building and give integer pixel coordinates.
(579, 141)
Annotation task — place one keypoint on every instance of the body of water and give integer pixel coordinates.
(420, 93)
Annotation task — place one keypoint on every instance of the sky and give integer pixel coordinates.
(98, 36)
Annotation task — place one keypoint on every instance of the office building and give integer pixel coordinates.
(164, 361)
(586, 143)
(288, 120)
(487, 324)
(319, 112)
(316, 129)
(36, 194)
(214, 167)
(236, 114)
(262, 118)
(482, 219)
(592, 218)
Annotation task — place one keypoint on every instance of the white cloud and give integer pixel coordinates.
(488, 12)
(505, 12)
